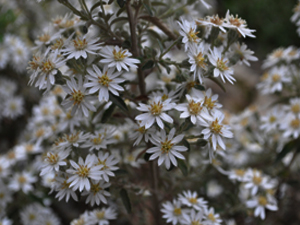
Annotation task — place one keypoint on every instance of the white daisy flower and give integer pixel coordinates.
(83, 170)
(97, 193)
(294, 106)
(212, 218)
(62, 186)
(271, 120)
(238, 24)
(273, 58)
(221, 64)
(194, 218)
(290, 126)
(189, 33)
(104, 82)
(173, 212)
(22, 181)
(155, 112)
(116, 57)
(215, 129)
(242, 54)
(237, 174)
(140, 132)
(191, 199)
(78, 98)
(193, 109)
(212, 21)
(108, 163)
(50, 64)
(166, 149)
(254, 180)
(260, 203)
(80, 46)
(13, 107)
(210, 101)
(102, 216)
(54, 160)
(274, 80)
(198, 60)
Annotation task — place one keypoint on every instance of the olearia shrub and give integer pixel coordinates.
(126, 127)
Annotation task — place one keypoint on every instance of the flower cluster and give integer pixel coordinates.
(188, 208)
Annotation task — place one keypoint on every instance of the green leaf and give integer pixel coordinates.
(120, 172)
(95, 6)
(182, 166)
(148, 65)
(118, 101)
(158, 4)
(218, 83)
(201, 142)
(160, 45)
(121, 3)
(126, 44)
(286, 149)
(199, 87)
(148, 9)
(118, 19)
(107, 114)
(122, 9)
(186, 144)
(147, 156)
(186, 125)
(125, 200)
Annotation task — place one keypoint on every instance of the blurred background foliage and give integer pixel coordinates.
(270, 19)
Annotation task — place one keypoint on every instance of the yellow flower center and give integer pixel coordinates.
(200, 60)
(216, 20)
(104, 80)
(77, 97)
(58, 44)
(95, 188)
(278, 53)
(79, 44)
(295, 108)
(72, 138)
(13, 106)
(177, 211)
(193, 200)
(236, 21)
(221, 64)
(195, 107)
(47, 66)
(40, 132)
(216, 127)
(156, 108)
(11, 155)
(83, 171)
(120, 55)
(166, 146)
(100, 215)
(208, 103)
(22, 179)
(52, 158)
(295, 123)
(142, 129)
(239, 172)
(257, 180)
(272, 119)
(211, 217)
(194, 222)
(44, 38)
(97, 140)
(262, 200)
(275, 78)
(192, 35)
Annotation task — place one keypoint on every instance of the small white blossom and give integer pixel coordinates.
(166, 149)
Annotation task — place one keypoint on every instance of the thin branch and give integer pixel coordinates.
(134, 46)
(156, 21)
